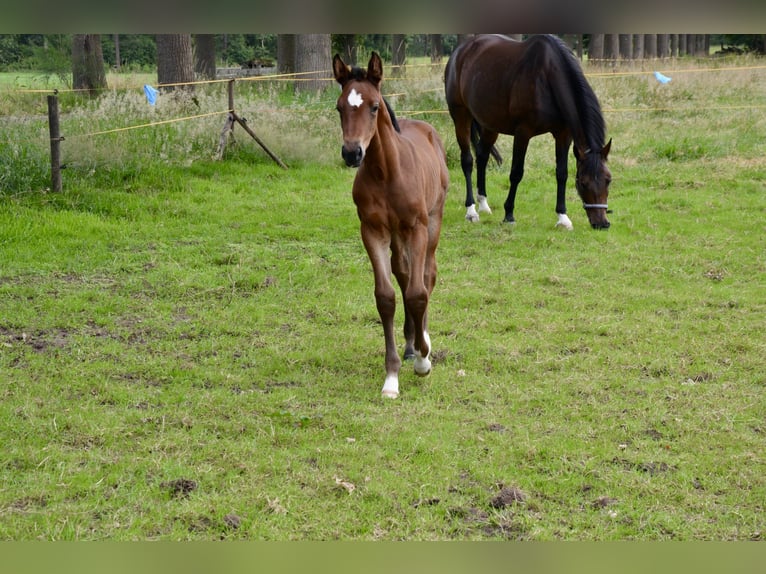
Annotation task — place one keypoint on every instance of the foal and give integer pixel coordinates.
(399, 192)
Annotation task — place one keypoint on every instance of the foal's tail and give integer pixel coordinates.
(476, 138)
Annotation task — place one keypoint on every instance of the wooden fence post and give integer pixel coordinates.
(228, 130)
(53, 126)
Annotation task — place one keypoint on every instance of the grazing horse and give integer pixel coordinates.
(399, 192)
(495, 85)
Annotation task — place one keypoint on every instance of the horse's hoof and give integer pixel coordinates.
(389, 394)
(471, 214)
(509, 221)
(422, 367)
(483, 205)
(564, 222)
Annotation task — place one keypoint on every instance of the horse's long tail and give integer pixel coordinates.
(476, 138)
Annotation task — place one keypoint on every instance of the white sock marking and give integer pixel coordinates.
(470, 213)
(483, 205)
(564, 222)
(423, 364)
(391, 387)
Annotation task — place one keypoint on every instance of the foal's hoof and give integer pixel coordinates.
(386, 394)
(471, 214)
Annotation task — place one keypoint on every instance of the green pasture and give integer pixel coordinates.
(189, 348)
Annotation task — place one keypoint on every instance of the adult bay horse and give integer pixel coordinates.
(399, 192)
(495, 85)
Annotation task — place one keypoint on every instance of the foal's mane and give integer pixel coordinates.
(591, 120)
(360, 74)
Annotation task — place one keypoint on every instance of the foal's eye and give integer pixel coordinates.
(375, 107)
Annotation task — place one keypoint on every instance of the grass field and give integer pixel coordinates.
(189, 349)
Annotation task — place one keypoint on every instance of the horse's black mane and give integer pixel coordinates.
(360, 74)
(585, 101)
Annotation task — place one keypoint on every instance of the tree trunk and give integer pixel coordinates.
(117, 60)
(650, 45)
(437, 48)
(88, 63)
(175, 62)
(626, 46)
(348, 48)
(204, 56)
(611, 46)
(596, 47)
(313, 57)
(286, 53)
(663, 45)
(399, 54)
(638, 46)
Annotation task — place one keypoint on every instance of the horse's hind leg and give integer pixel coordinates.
(483, 150)
(462, 120)
(402, 275)
(520, 145)
(417, 294)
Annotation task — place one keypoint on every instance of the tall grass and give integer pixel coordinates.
(189, 348)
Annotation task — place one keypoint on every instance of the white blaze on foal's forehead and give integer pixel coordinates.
(355, 98)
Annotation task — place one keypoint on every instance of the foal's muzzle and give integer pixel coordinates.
(352, 155)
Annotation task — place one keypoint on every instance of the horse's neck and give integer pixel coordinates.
(384, 147)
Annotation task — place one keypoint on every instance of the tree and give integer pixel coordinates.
(204, 56)
(399, 54)
(346, 45)
(437, 48)
(313, 57)
(88, 63)
(286, 53)
(596, 47)
(175, 62)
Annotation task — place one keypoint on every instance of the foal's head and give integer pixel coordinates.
(358, 105)
(592, 182)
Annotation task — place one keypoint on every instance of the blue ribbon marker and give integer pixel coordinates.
(151, 94)
(661, 79)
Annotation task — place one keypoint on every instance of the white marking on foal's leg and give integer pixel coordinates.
(391, 387)
(423, 364)
(564, 222)
(483, 205)
(470, 213)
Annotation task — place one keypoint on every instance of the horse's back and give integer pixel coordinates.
(429, 150)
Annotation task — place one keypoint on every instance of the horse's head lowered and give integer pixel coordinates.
(592, 182)
(358, 105)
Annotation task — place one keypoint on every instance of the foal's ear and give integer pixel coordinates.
(375, 69)
(606, 148)
(340, 69)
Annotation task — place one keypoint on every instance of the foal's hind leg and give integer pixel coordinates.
(401, 272)
(417, 294)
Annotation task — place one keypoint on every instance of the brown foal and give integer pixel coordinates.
(399, 192)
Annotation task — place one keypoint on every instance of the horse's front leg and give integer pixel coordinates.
(377, 245)
(562, 153)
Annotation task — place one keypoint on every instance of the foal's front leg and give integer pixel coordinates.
(377, 245)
